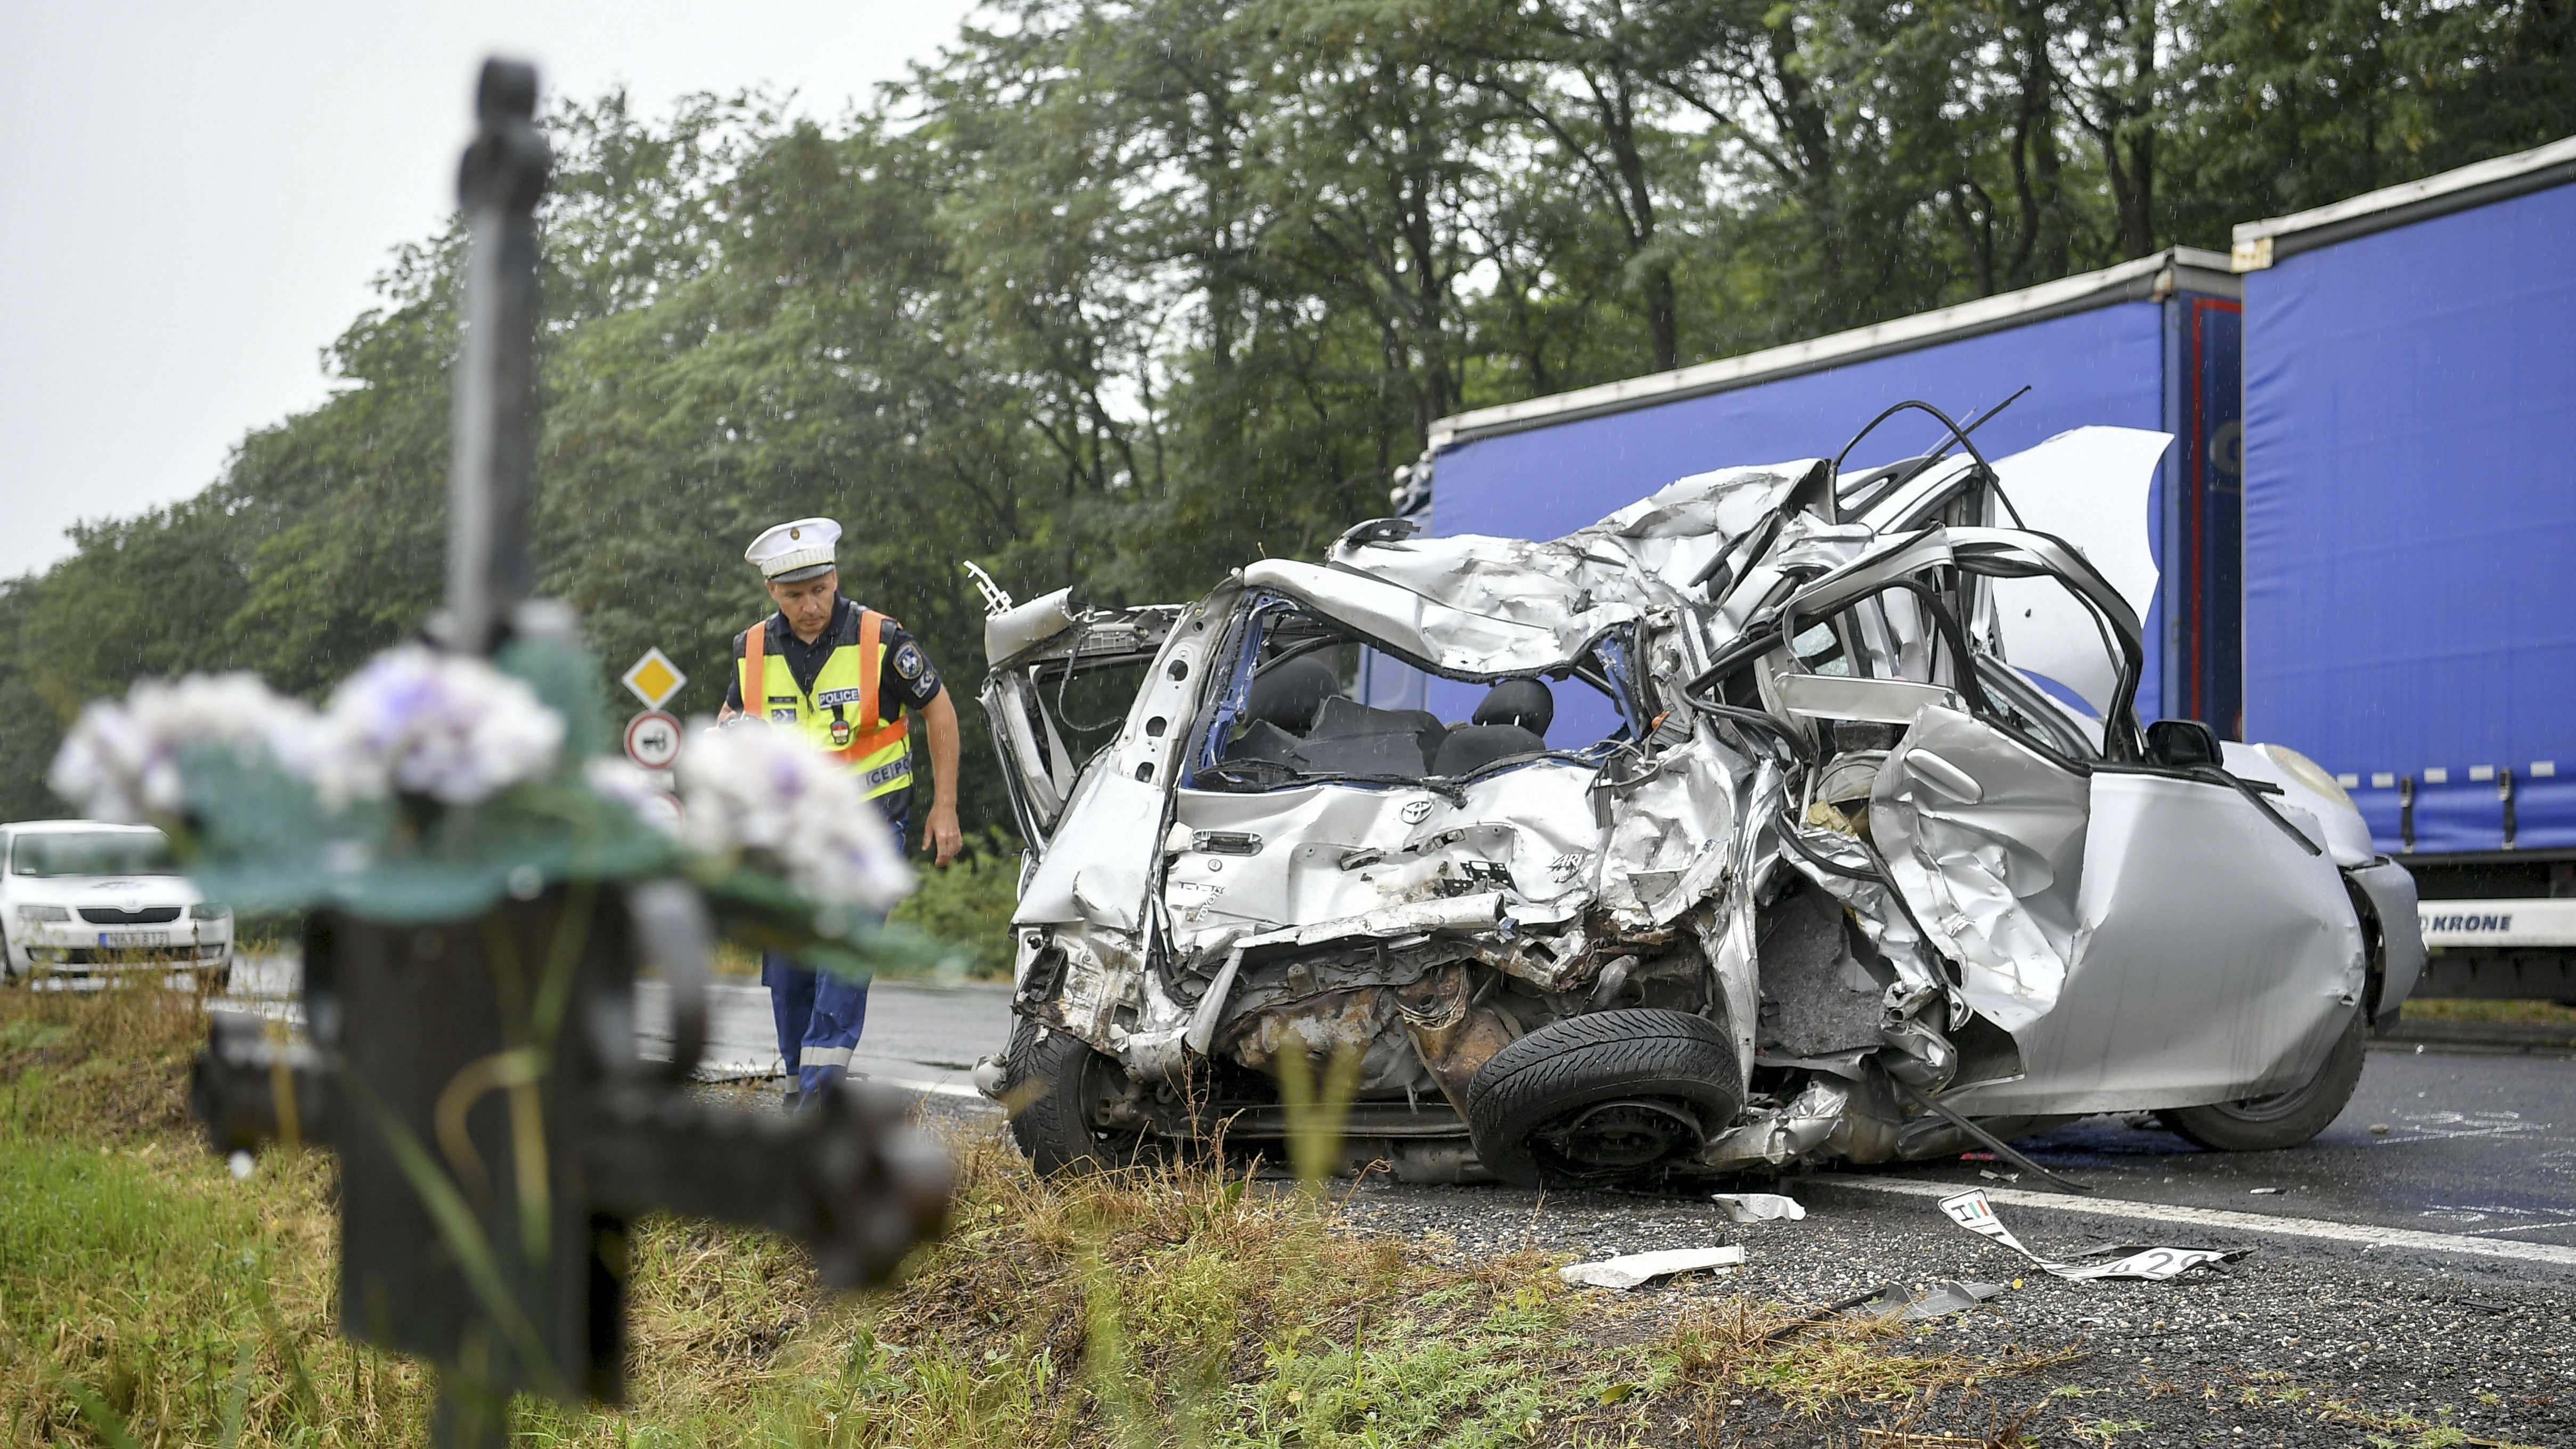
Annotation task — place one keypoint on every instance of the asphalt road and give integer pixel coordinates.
(918, 1035)
(2483, 1146)
(2480, 1146)
(2476, 1145)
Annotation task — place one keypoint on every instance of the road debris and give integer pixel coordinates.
(1970, 1210)
(1889, 1300)
(1756, 1207)
(1882, 1291)
(2264, 1191)
(1956, 1296)
(1629, 1270)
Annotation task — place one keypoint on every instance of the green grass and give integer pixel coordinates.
(968, 903)
(148, 1297)
(141, 1287)
(2514, 1013)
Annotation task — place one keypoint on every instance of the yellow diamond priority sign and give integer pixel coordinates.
(654, 679)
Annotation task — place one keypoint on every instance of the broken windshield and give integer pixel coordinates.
(1285, 714)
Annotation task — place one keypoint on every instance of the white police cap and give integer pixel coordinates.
(794, 552)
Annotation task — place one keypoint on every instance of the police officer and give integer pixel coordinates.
(843, 675)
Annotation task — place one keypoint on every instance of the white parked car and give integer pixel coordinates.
(84, 898)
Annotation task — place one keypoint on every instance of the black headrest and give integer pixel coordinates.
(1523, 702)
(1288, 695)
(1472, 747)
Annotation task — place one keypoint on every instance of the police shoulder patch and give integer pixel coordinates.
(908, 661)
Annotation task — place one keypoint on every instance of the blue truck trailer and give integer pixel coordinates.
(2410, 541)
(2153, 343)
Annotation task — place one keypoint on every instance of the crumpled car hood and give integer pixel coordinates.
(1483, 607)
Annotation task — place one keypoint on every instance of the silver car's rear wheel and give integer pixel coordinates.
(2285, 1119)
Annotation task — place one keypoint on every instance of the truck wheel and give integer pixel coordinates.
(1060, 1092)
(2260, 1124)
(1606, 1095)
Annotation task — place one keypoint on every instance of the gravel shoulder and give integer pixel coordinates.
(2300, 1343)
(2290, 1346)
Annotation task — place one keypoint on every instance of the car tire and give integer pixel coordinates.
(2285, 1119)
(1606, 1095)
(1055, 1086)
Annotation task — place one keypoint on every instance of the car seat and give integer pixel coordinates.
(1527, 703)
(1290, 694)
(1472, 747)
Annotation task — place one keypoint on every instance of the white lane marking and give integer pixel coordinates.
(2450, 1126)
(2533, 1227)
(936, 1089)
(2220, 1218)
(757, 1070)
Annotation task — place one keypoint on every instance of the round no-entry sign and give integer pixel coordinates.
(653, 740)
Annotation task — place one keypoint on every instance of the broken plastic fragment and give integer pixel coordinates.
(1628, 1270)
(1755, 1207)
(1888, 1300)
(1970, 1210)
(1948, 1298)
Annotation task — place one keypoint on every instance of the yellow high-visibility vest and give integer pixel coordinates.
(840, 714)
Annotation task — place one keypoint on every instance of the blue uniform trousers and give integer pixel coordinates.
(819, 1016)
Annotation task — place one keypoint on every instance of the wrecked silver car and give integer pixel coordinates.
(1800, 816)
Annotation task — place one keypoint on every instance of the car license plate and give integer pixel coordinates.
(115, 940)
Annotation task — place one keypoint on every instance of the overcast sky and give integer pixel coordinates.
(194, 198)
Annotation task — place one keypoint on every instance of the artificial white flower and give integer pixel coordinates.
(634, 787)
(422, 722)
(121, 759)
(770, 791)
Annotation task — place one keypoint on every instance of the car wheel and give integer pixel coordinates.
(2260, 1124)
(1061, 1093)
(1606, 1095)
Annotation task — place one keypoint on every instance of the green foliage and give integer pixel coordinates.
(966, 905)
(1122, 293)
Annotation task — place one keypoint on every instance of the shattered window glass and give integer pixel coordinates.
(1821, 650)
(1887, 635)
